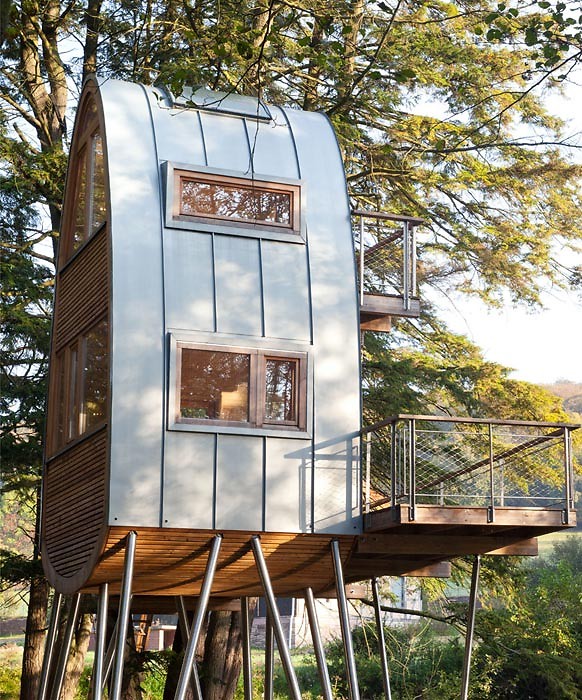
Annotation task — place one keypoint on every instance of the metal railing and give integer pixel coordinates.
(442, 461)
(386, 254)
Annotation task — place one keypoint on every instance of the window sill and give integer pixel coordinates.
(215, 428)
(73, 443)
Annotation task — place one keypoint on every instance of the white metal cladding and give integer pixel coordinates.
(250, 291)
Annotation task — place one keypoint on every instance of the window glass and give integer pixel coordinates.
(280, 390)
(73, 401)
(98, 212)
(80, 202)
(214, 385)
(61, 394)
(95, 376)
(234, 201)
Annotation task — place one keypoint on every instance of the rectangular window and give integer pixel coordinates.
(82, 386)
(236, 202)
(240, 387)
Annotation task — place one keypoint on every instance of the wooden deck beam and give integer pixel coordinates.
(449, 545)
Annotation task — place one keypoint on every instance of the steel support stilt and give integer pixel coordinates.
(101, 629)
(269, 658)
(185, 629)
(342, 603)
(381, 640)
(246, 648)
(109, 656)
(198, 621)
(470, 626)
(318, 645)
(275, 619)
(65, 649)
(124, 614)
(49, 646)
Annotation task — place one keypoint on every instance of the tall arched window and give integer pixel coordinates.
(86, 210)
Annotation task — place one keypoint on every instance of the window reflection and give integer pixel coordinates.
(214, 385)
(95, 377)
(98, 213)
(223, 200)
(280, 390)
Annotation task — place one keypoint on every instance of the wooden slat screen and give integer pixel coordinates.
(82, 290)
(74, 503)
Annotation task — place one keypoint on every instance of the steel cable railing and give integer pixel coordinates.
(443, 461)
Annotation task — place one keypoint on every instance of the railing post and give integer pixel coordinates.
(393, 465)
(567, 475)
(368, 470)
(406, 266)
(491, 509)
(412, 260)
(412, 468)
(361, 260)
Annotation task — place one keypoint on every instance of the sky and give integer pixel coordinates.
(541, 347)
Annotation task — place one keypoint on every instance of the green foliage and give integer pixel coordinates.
(421, 664)
(532, 646)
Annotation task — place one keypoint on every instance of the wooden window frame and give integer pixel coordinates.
(176, 173)
(257, 388)
(82, 159)
(74, 415)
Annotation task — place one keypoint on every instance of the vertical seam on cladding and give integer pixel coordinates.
(293, 142)
(203, 138)
(164, 341)
(251, 165)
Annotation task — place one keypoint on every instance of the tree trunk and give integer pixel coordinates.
(34, 639)
(76, 660)
(222, 656)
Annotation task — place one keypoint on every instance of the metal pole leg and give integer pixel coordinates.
(275, 619)
(246, 648)
(470, 626)
(123, 617)
(64, 655)
(269, 658)
(97, 680)
(49, 646)
(342, 604)
(318, 645)
(381, 640)
(185, 629)
(190, 652)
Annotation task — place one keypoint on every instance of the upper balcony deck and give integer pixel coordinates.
(386, 256)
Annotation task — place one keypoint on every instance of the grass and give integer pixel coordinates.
(10, 664)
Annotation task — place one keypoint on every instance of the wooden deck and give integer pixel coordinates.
(171, 562)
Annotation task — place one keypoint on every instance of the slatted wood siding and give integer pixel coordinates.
(74, 505)
(82, 291)
(75, 488)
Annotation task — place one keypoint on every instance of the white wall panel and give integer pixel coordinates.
(188, 480)
(238, 285)
(272, 146)
(137, 421)
(288, 485)
(189, 280)
(239, 483)
(286, 291)
(226, 142)
(335, 325)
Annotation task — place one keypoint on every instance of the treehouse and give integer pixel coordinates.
(204, 439)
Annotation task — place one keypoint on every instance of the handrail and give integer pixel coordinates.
(413, 220)
(462, 419)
